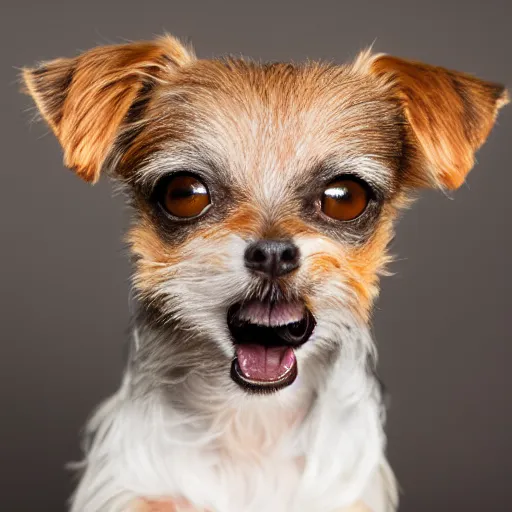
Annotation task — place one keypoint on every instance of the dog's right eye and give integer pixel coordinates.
(184, 196)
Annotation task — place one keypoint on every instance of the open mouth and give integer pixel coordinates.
(266, 336)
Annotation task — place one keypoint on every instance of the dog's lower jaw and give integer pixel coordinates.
(319, 455)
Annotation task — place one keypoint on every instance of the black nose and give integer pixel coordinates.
(272, 257)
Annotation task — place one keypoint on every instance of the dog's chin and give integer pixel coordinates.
(265, 337)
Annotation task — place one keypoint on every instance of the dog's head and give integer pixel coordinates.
(264, 193)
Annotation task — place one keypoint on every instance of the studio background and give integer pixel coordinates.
(443, 322)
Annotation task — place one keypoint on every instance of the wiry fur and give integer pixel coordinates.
(266, 138)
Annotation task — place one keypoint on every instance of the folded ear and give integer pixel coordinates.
(449, 116)
(86, 99)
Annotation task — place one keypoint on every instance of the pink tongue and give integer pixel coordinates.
(257, 362)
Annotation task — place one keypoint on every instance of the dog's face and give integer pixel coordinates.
(264, 194)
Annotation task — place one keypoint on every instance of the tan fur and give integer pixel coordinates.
(168, 506)
(85, 99)
(358, 507)
(450, 114)
(164, 506)
(276, 118)
(365, 265)
(152, 256)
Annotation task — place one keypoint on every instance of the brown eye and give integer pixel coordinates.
(185, 196)
(345, 199)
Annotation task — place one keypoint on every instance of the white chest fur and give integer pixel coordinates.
(246, 460)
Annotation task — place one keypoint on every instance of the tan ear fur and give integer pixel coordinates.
(86, 99)
(450, 115)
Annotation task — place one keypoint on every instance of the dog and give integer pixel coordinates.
(264, 198)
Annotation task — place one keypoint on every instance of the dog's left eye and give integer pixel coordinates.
(184, 196)
(345, 199)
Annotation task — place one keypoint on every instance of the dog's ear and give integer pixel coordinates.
(86, 99)
(448, 117)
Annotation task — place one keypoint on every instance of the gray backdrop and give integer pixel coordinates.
(442, 323)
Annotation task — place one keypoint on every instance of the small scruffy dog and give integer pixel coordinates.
(264, 198)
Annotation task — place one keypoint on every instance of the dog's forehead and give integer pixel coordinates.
(262, 123)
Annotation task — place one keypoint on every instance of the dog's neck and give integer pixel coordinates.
(206, 393)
